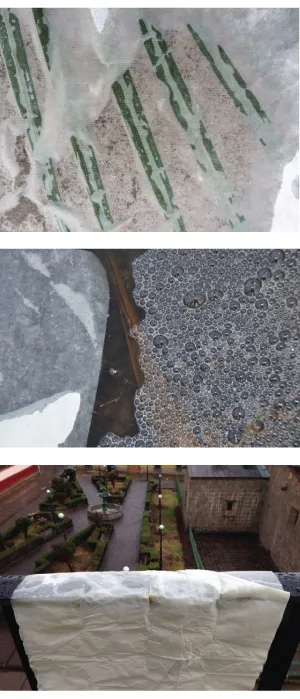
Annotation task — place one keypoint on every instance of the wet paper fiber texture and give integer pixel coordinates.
(218, 349)
(164, 120)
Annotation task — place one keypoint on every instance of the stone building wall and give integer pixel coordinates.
(279, 529)
(223, 505)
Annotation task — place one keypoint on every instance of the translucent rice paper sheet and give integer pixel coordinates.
(153, 119)
(189, 630)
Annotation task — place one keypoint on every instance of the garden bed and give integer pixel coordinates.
(66, 493)
(233, 551)
(84, 551)
(27, 534)
(117, 488)
(172, 549)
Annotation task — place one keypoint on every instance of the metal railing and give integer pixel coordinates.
(197, 558)
(179, 491)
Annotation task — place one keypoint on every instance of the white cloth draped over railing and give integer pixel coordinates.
(187, 630)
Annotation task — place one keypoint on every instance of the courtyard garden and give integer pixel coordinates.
(85, 547)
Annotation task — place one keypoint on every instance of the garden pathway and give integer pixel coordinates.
(123, 548)
(80, 521)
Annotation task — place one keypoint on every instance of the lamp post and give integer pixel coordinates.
(159, 507)
(161, 529)
(159, 483)
(126, 569)
(48, 491)
(61, 517)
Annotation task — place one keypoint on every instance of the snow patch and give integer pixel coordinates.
(286, 209)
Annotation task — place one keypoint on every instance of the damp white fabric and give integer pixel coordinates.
(188, 630)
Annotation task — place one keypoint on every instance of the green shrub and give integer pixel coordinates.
(151, 566)
(98, 482)
(61, 486)
(99, 553)
(44, 506)
(145, 531)
(11, 532)
(41, 569)
(107, 529)
(46, 558)
(151, 551)
(47, 515)
(148, 501)
(61, 526)
(73, 502)
(82, 535)
(94, 537)
(12, 554)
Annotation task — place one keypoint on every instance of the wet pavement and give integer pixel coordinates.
(123, 548)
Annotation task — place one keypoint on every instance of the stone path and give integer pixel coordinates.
(123, 548)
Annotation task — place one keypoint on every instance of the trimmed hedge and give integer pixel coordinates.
(145, 546)
(148, 501)
(82, 535)
(151, 551)
(92, 536)
(32, 542)
(115, 498)
(43, 562)
(10, 532)
(151, 566)
(145, 531)
(8, 557)
(79, 500)
(99, 553)
(75, 498)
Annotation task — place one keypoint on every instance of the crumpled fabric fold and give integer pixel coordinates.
(186, 630)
